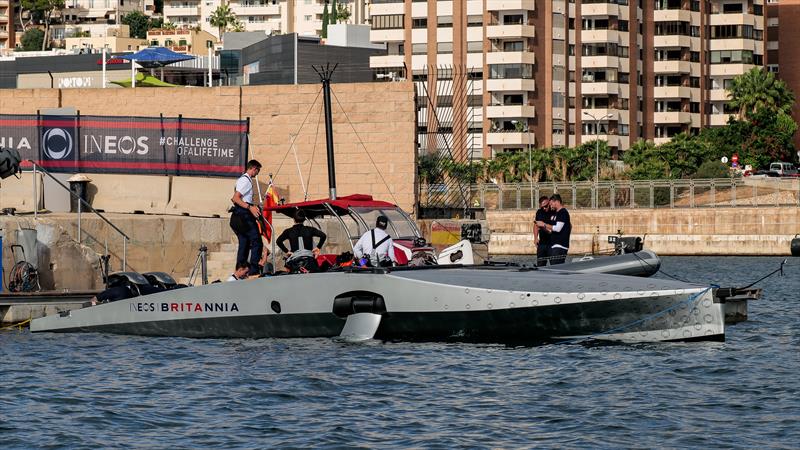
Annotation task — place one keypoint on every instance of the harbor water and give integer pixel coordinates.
(106, 391)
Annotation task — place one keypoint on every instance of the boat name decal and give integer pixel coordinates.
(184, 307)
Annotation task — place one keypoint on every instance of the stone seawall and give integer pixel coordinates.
(695, 231)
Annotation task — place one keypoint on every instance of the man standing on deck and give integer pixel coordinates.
(244, 216)
(376, 245)
(559, 231)
(541, 238)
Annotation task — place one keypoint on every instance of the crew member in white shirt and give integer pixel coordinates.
(376, 245)
(243, 218)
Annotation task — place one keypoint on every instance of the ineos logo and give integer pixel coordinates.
(57, 143)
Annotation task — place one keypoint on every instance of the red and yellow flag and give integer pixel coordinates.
(270, 199)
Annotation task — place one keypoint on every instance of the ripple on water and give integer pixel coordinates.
(105, 391)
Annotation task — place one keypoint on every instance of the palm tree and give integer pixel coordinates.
(222, 18)
(758, 89)
(238, 26)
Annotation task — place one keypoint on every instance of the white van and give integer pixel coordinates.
(783, 169)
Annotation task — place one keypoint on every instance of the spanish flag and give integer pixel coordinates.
(270, 199)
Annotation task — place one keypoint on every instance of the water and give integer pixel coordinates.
(105, 391)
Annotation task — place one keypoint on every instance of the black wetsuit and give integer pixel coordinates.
(300, 231)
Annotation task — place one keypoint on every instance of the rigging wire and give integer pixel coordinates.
(297, 134)
(314, 150)
(364, 147)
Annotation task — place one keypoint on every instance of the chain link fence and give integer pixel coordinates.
(624, 194)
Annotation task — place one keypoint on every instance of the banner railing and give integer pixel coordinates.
(626, 194)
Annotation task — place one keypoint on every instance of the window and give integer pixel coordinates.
(387, 22)
(512, 19)
(419, 49)
(307, 18)
(475, 47)
(622, 25)
(444, 21)
(419, 23)
(512, 46)
(499, 71)
(475, 21)
(444, 47)
(558, 100)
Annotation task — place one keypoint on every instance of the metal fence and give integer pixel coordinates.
(623, 194)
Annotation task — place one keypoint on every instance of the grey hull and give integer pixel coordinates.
(470, 304)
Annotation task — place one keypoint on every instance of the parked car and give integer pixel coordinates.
(783, 169)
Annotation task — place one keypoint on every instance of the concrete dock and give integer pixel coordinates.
(22, 306)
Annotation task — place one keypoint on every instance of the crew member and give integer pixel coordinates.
(376, 245)
(300, 237)
(541, 238)
(559, 231)
(242, 269)
(244, 216)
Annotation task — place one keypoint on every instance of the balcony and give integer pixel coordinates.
(256, 10)
(730, 69)
(591, 88)
(380, 9)
(600, 9)
(736, 44)
(386, 61)
(675, 40)
(718, 120)
(672, 117)
(676, 15)
(736, 19)
(510, 84)
(181, 11)
(510, 138)
(503, 5)
(600, 113)
(590, 62)
(718, 95)
(672, 92)
(611, 139)
(510, 111)
(509, 31)
(600, 36)
(673, 67)
(510, 58)
(395, 35)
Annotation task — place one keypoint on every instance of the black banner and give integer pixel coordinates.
(129, 145)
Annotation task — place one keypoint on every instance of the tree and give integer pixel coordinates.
(238, 26)
(334, 11)
(325, 20)
(44, 8)
(32, 40)
(156, 23)
(138, 24)
(758, 89)
(222, 18)
(342, 13)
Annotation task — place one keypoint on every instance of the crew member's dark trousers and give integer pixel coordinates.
(249, 241)
(542, 253)
(557, 255)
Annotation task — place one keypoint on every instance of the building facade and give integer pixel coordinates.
(553, 73)
(783, 55)
(270, 16)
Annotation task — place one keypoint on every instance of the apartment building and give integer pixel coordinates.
(271, 16)
(7, 32)
(783, 53)
(559, 72)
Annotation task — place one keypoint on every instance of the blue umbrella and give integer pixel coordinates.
(153, 57)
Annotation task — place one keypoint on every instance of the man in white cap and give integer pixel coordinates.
(375, 247)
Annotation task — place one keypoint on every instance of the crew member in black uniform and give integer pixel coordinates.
(541, 237)
(559, 231)
(300, 237)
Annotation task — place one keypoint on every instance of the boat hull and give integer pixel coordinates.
(461, 304)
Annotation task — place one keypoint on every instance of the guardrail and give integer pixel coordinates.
(81, 205)
(624, 194)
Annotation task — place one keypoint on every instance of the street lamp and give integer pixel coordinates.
(597, 150)
(530, 159)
